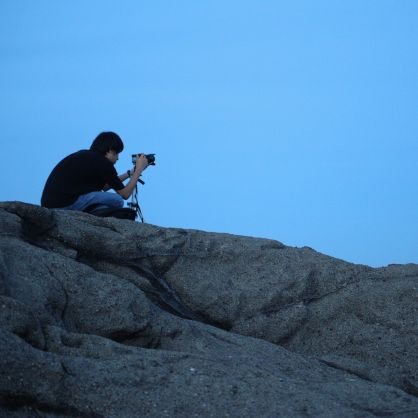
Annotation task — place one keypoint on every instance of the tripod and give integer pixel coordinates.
(134, 204)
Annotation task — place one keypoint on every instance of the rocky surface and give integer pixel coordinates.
(102, 317)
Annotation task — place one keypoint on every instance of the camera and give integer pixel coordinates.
(150, 158)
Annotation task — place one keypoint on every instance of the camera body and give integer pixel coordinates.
(150, 158)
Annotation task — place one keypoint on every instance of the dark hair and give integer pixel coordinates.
(107, 141)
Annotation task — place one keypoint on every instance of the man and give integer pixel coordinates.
(79, 181)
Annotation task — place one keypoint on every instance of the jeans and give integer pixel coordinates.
(101, 200)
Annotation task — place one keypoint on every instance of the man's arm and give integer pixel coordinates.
(122, 177)
(141, 165)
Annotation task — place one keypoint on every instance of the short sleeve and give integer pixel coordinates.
(112, 178)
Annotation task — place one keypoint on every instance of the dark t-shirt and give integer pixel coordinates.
(83, 172)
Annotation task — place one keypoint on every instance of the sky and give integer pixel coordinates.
(291, 120)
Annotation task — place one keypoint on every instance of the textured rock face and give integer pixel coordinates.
(109, 318)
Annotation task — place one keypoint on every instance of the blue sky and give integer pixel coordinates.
(291, 120)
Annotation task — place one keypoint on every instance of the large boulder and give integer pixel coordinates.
(101, 317)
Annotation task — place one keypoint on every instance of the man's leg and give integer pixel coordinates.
(100, 200)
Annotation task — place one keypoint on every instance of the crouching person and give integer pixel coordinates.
(81, 180)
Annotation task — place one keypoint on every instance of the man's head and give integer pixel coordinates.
(108, 144)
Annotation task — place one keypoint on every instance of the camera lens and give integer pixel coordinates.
(150, 158)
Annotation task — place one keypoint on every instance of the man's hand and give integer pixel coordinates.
(141, 163)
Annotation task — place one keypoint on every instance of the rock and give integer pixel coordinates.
(102, 317)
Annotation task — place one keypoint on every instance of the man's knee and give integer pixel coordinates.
(117, 200)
